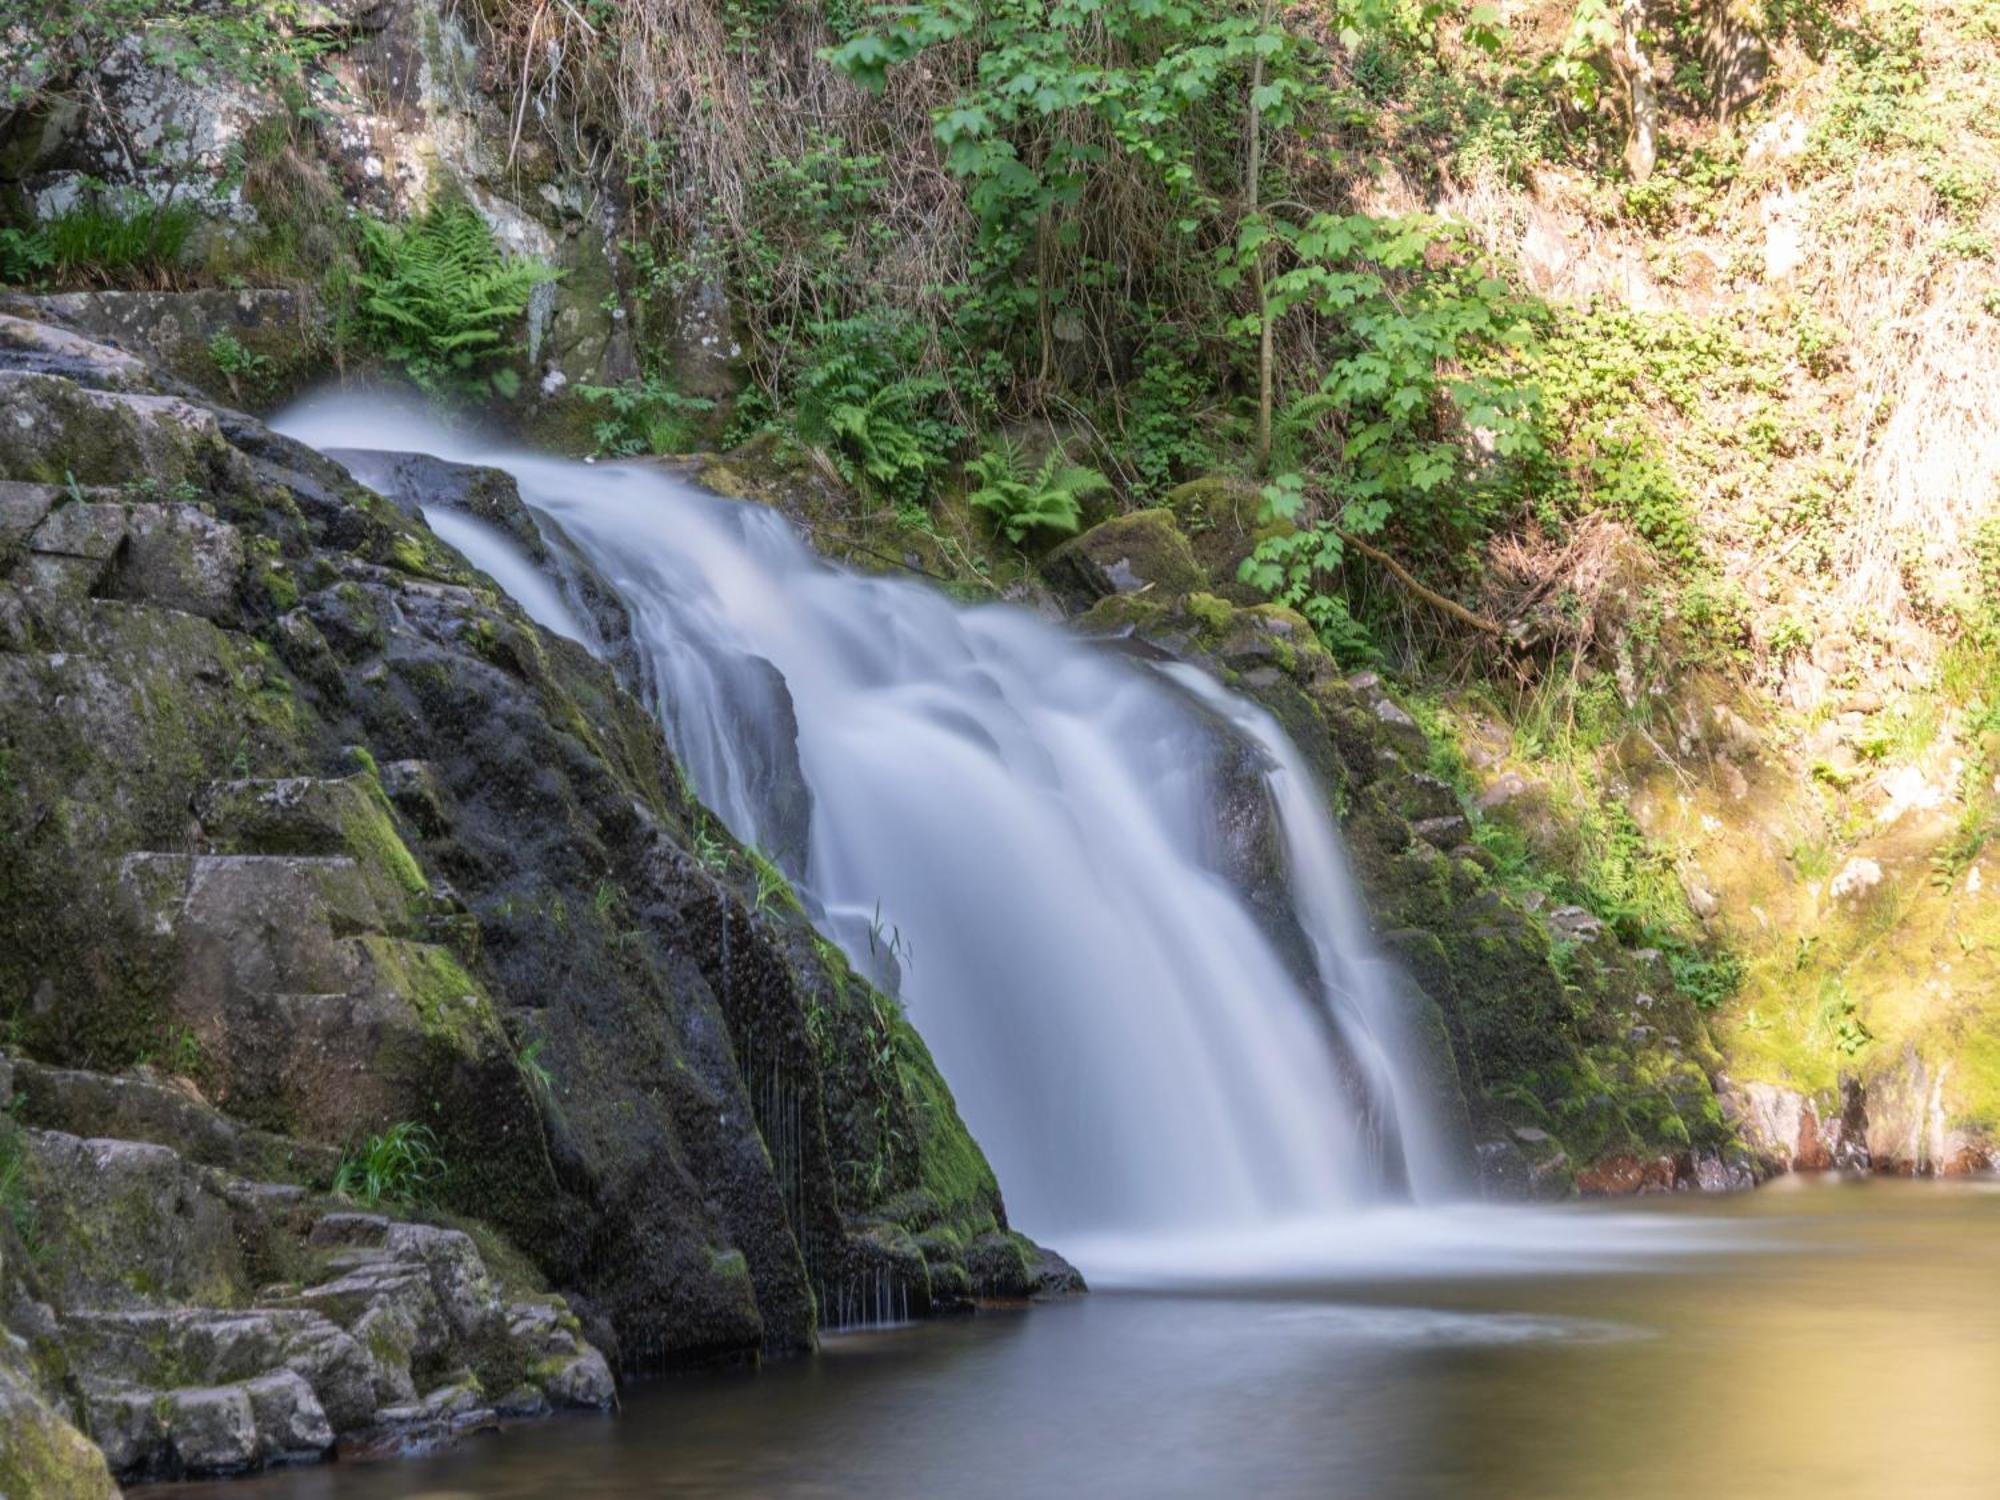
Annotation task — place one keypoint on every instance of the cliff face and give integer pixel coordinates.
(304, 822)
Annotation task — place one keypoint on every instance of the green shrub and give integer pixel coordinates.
(402, 1165)
(1048, 499)
(438, 298)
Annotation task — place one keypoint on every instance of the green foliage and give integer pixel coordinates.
(1840, 1019)
(15, 1201)
(25, 256)
(886, 425)
(1708, 978)
(400, 1165)
(1161, 433)
(1050, 498)
(535, 1073)
(116, 240)
(437, 297)
(774, 891)
(1980, 611)
(647, 417)
(232, 358)
(1426, 349)
(237, 364)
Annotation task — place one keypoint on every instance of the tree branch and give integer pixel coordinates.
(1429, 596)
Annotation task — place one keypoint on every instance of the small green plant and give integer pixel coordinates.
(26, 256)
(400, 1165)
(438, 298)
(888, 940)
(1050, 498)
(1841, 1018)
(647, 417)
(534, 1072)
(1708, 979)
(709, 849)
(237, 363)
(774, 892)
(14, 1200)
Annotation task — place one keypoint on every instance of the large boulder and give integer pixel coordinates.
(305, 816)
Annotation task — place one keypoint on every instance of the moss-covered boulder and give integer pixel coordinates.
(1129, 554)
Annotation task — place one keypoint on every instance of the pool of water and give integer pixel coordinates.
(1816, 1339)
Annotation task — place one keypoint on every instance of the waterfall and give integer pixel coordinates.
(1018, 831)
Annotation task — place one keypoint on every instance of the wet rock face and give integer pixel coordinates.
(282, 332)
(306, 832)
(1894, 1122)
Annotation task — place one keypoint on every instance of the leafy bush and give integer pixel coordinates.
(1165, 444)
(437, 297)
(1048, 499)
(402, 1164)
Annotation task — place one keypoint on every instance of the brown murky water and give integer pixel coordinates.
(1814, 1340)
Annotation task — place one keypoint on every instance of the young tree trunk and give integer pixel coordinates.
(1641, 98)
(1252, 171)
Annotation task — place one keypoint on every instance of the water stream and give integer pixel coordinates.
(1024, 834)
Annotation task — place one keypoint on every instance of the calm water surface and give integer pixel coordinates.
(1812, 1339)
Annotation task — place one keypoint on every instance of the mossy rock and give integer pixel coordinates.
(1143, 551)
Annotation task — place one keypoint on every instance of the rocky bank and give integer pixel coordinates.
(310, 834)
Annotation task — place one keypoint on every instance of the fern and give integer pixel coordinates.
(25, 256)
(1049, 499)
(884, 430)
(438, 298)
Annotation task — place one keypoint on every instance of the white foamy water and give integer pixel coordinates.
(1019, 830)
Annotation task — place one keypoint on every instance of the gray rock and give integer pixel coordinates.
(212, 1430)
(463, 1291)
(181, 558)
(291, 1423)
(582, 1383)
(1574, 924)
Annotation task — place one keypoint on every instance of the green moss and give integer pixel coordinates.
(1213, 613)
(448, 1001)
(953, 1171)
(44, 1456)
(368, 833)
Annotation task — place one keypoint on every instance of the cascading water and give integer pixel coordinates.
(1018, 829)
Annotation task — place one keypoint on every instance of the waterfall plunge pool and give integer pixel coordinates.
(1816, 1339)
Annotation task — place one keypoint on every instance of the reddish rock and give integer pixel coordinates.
(1811, 1153)
(1968, 1160)
(1612, 1177)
